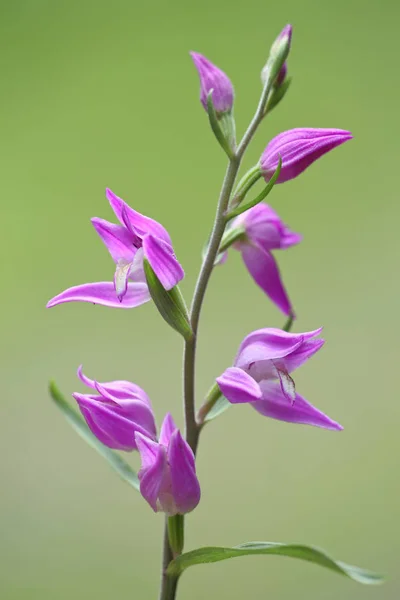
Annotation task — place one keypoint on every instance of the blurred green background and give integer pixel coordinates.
(98, 94)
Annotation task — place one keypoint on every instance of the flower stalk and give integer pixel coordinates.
(193, 427)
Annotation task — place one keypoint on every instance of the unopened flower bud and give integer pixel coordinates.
(212, 78)
(298, 149)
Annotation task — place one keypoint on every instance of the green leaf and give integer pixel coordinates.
(114, 460)
(216, 127)
(307, 553)
(170, 303)
(243, 207)
(219, 407)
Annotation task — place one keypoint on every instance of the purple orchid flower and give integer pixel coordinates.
(212, 78)
(116, 412)
(264, 231)
(168, 480)
(299, 148)
(135, 239)
(261, 376)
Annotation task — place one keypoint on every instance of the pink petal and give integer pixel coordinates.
(303, 353)
(103, 293)
(264, 270)
(274, 405)
(141, 224)
(118, 239)
(112, 429)
(167, 429)
(118, 389)
(237, 386)
(154, 465)
(184, 483)
(269, 344)
(163, 261)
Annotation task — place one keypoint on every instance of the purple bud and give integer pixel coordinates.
(298, 149)
(212, 78)
(285, 33)
(281, 75)
(283, 39)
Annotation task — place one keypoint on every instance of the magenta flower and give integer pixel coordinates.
(261, 376)
(116, 412)
(299, 148)
(137, 237)
(212, 78)
(168, 480)
(264, 231)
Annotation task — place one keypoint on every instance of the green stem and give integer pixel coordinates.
(193, 428)
(168, 583)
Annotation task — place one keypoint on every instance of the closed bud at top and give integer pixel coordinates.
(284, 36)
(298, 149)
(212, 78)
(276, 66)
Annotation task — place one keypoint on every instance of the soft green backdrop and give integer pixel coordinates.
(98, 94)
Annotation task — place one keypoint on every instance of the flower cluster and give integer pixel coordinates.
(119, 413)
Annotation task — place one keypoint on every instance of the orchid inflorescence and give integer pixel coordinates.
(118, 415)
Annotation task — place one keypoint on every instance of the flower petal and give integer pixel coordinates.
(303, 353)
(154, 465)
(237, 386)
(118, 239)
(112, 429)
(274, 405)
(163, 261)
(264, 227)
(141, 224)
(167, 429)
(264, 270)
(269, 344)
(184, 483)
(137, 412)
(103, 293)
(118, 389)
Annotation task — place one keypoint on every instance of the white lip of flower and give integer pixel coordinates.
(128, 269)
(274, 369)
(287, 385)
(122, 273)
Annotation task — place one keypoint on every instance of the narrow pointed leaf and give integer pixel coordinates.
(114, 460)
(214, 405)
(170, 303)
(243, 207)
(220, 406)
(307, 553)
(231, 235)
(215, 126)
